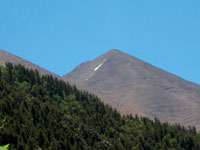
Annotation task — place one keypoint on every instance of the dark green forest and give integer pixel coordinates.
(43, 112)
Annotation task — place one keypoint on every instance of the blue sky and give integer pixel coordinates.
(60, 34)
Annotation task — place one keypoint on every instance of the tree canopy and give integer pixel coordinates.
(48, 113)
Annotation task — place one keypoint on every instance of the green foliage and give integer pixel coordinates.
(3, 69)
(47, 113)
(4, 147)
(2, 123)
(1, 126)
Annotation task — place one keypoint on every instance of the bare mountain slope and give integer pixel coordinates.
(133, 86)
(7, 57)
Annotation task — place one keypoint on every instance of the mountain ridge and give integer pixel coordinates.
(132, 86)
(8, 57)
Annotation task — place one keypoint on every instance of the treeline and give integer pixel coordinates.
(47, 113)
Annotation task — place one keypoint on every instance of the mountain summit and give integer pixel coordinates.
(136, 87)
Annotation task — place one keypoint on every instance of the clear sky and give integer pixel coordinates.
(58, 35)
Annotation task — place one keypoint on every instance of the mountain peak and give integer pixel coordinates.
(115, 52)
(136, 87)
(117, 55)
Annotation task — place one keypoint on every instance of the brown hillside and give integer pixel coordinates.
(7, 57)
(133, 86)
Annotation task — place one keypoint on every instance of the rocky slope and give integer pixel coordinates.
(136, 87)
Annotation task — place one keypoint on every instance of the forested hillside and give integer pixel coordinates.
(49, 114)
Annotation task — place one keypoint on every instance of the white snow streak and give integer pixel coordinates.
(95, 69)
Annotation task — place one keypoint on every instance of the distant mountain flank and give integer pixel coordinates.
(134, 86)
(7, 57)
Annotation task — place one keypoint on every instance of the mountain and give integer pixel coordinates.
(7, 57)
(136, 87)
(44, 113)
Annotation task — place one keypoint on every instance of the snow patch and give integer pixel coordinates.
(95, 69)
